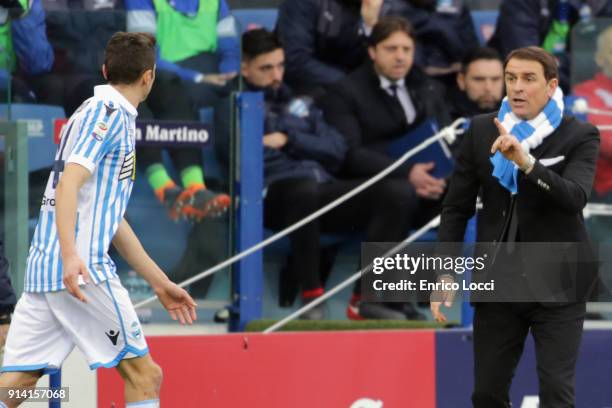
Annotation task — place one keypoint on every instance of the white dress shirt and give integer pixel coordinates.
(402, 95)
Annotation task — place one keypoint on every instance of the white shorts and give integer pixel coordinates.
(46, 327)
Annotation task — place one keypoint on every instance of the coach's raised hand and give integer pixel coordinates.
(509, 146)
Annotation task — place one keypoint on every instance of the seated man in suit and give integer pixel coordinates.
(380, 102)
(302, 154)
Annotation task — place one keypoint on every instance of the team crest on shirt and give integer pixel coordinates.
(128, 168)
(100, 131)
(136, 332)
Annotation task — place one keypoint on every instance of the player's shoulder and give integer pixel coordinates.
(99, 107)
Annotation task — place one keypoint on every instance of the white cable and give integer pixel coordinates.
(431, 224)
(448, 133)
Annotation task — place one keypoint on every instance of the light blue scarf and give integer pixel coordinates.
(531, 133)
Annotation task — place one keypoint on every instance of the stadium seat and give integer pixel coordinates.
(484, 23)
(255, 18)
(40, 120)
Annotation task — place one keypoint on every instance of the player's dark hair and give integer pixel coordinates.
(128, 56)
(259, 41)
(389, 25)
(477, 54)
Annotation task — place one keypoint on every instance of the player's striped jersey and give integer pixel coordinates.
(99, 136)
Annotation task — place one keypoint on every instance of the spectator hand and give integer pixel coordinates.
(439, 297)
(177, 302)
(370, 10)
(509, 146)
(216, 79)
(425, 184)
(276, 140)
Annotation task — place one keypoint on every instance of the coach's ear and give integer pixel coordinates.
(104, 73)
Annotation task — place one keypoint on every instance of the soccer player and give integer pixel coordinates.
(73, 295)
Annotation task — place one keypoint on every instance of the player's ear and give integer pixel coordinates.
(104, 72)
(148, 76)
(551, 87)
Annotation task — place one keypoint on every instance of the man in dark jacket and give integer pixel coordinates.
(381, 102)
(324, 40)
(302, 154)
(534, 189)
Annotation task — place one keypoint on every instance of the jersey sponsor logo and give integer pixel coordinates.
(128, 169)
(48, 201)
(113, 336)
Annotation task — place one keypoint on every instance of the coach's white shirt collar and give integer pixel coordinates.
(107, 91)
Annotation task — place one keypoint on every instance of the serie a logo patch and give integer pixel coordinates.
(100, 131)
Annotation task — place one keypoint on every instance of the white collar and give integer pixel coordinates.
(108, 91)
(385, 82)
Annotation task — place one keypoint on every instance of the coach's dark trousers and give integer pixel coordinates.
(500, 330)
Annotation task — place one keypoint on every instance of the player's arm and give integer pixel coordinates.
(175, 299)
(66, 193)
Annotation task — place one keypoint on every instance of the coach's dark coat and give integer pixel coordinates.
(549, 201)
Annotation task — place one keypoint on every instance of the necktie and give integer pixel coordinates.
(393, 89)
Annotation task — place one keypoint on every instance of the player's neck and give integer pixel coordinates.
(129, 92)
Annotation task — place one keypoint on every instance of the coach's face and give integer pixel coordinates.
(527, 88)
(393, 56)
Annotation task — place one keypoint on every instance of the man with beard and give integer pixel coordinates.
(302, 155)
(480, 84)
(324, 40)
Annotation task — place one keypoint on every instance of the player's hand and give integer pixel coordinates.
(440, 297)
(276, 140)
(425, 184)
(72, 268)
(509, 146)
(177, 302)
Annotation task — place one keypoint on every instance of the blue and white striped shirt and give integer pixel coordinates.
(99, 136)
